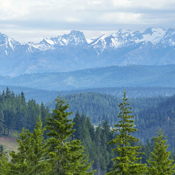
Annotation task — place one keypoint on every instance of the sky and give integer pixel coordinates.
(32, 20)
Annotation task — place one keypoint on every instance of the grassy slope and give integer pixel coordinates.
(9, 144)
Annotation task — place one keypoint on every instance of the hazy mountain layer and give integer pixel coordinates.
(114, 76)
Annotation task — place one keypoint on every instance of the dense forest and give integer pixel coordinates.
(45, 96)
(100, 106)
(151, 112)
(132, 92)
(16, 113)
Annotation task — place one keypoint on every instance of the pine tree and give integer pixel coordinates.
(31, 157)
(36, 156)
(18, 163)
(66, 156)
(4, 166)
(1, 121)
(160, 163)
(126, 163)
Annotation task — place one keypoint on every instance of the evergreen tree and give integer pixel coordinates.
(66, 156)
(77, 126)
(31, 155)
(4, 166)
(1, 121)
(36, 155)
(23, 100)
(18, 163)
(8, 93)
(126, 163)
(160, 163)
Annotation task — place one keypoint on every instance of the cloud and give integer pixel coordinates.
(101, 15)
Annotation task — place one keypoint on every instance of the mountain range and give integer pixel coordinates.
(70, 52)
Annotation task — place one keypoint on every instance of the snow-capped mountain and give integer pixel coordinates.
(125, 38)
(154, 46)
(7, 44)
(74, 38)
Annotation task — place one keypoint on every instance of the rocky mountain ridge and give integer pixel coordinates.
(69, 52)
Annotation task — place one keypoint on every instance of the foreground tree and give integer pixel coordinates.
(31, 156)
(4, 166)
(160, 164)
(126, 163)
(66, 156)
(18, 163)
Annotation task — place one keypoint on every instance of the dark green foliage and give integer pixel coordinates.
(151, 113)
(162, 115)
(31, 155)
(146, 148)
(1, 121)
(19, 164)
(45, 96)
(36, 157)
(100, 106)
(16, 113)
(4, 166)
(95, 142)
(127, 161)
(66, 157)
(160, 163)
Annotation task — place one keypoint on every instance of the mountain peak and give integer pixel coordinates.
(74, 38)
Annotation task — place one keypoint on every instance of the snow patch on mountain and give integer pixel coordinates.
(154, 35)
(169, 38)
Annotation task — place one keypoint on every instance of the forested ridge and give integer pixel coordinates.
(16, 113)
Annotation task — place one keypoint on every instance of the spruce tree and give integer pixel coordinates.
(127, 161)
(4, 166)
(160, 163)
(32, 155)
(66, 156)
(1, 121)
(37, 154)
(18, 163)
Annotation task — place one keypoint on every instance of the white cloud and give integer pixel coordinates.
(72, 19)
(101, 15)
(120, 17)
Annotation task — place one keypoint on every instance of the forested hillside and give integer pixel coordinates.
(93, 129)
(16, 113)
(132, 92)
(100, 106)
(94, 139)
(151, 113)
(45, 96)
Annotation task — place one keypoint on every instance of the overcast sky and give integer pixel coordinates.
(32, 20)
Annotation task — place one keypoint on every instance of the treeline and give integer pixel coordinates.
(95, 142)
(100, 106)
(16, 113)
(151, 113)
(132, 92)
(62, 152)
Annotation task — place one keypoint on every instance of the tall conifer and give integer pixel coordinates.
(1, 121)
(160, 163)
(4, 166)
(66, 156)
(126, 163)
(31, 155)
